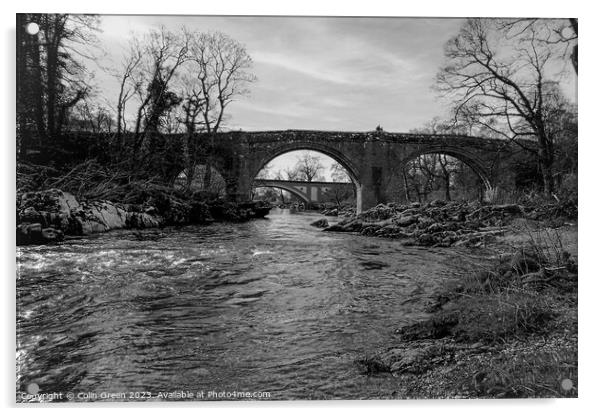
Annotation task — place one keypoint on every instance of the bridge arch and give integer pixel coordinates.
(459, 153)
(330, 151)
(316, 146)
(217, 179)
(293, 191)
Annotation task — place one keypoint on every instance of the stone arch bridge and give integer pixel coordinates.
(373, 160)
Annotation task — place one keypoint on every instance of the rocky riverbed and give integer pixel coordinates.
(50, 215)
(445, 224)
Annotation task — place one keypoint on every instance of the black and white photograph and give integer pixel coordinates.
(295, 207)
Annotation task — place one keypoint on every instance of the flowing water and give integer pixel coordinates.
(272, 305)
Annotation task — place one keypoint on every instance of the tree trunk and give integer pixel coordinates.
(547, 176)
(189, 154)
(546, 160)
(37, 90)
(405, 185)
(208, 163)
(120, 110)
(447, 190)
(52, 83)
(21, 76)
(418, 194)
(574, 58)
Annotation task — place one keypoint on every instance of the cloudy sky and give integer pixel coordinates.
(316, 73)
(320, 73)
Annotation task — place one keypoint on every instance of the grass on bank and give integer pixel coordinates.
(510, 329)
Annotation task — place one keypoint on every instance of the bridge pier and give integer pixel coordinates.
(366, 197)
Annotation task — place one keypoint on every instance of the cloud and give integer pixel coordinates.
(306, 67)
(317, 73)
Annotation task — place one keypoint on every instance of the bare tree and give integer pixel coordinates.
(309, 167)
(89, 116)
(503, 82)
(574, 57)
(181, 80)
(219, 68)
(164, 52)
(192, 106)
(127, 84)
(65, 76)
(556, 32)
(52, 77)
(338, 173)
(290, 174)
(444, 172)
(415, 179)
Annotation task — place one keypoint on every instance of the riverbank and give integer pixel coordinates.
(508, 330)
(48, 216)
(447, 224)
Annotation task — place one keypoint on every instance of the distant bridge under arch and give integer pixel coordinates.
(372, 159)
(308, 192)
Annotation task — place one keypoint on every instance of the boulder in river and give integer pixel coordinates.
(51, 208)
(28, 233)
(30, 215)
(46, 216)
(99, 216)
(321, 223)
(335, 227)
(142, 220)
(51, 235)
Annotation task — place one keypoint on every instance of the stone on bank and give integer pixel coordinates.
(47, 216)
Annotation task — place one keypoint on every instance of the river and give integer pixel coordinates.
(271, 305)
